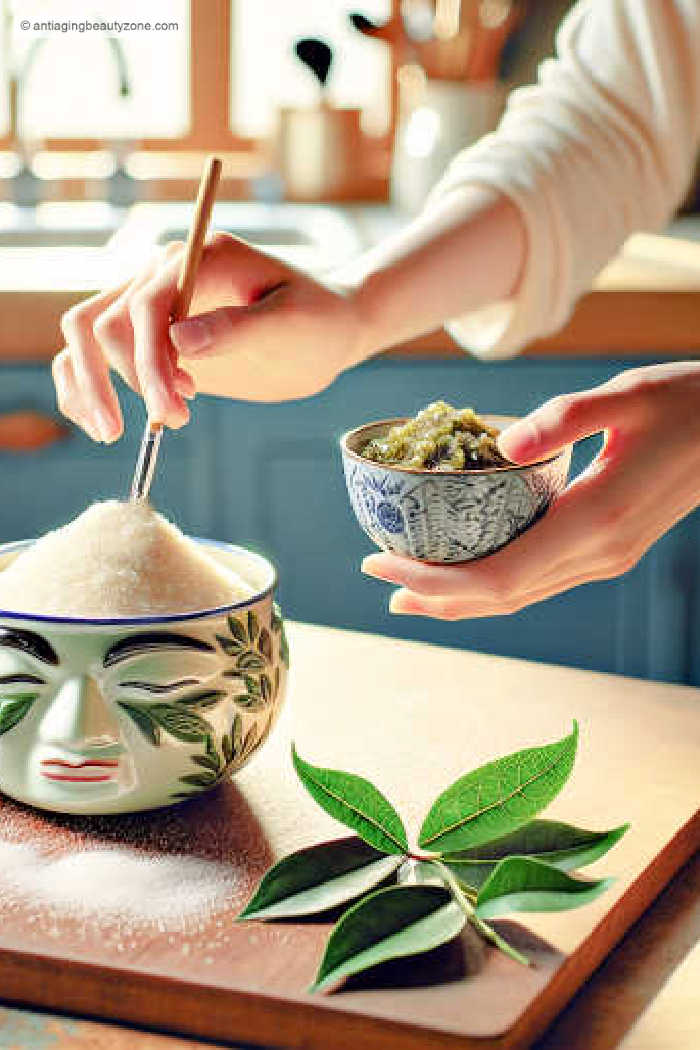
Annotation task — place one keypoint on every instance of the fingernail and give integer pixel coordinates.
(103, 424)
(372, 566)
(192, 336)
(400, 605)
(519, 440)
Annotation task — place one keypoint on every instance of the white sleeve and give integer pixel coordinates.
(602, 146)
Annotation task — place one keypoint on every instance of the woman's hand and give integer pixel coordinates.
(285, 334)
(645, 478)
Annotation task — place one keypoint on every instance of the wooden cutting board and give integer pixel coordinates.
(411, 717)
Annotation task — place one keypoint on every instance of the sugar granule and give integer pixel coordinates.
(115, 883)
(117, 560)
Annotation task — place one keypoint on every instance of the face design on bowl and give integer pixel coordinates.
(103, 720)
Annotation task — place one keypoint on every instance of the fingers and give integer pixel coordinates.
(99, 405)
(562, 420)
(154, 360)
(405, 602)
(580, 539)
(69, 398)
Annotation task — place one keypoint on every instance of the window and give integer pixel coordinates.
(128, 85)
(212, 83)
(266, 74)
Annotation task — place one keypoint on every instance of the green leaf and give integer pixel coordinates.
(226, 748)
(230, 645)
(238, 630)
(250, 661)
(207, 762)
(203, 701)
(265, 644)
(562, 845)
(526, 884)
(266, 688)
(180, 723)
(356, 803)
(470, 874)
(202, 780)
(252, 685)
(499, 797)
(139, 714)
(321, 877)
(253, 625)
(237, 734)
(13, 709)
(249, 701)
(389, 924)
(251, 739)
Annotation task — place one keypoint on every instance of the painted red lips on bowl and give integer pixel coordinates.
(87, 771)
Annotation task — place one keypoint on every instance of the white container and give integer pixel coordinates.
(316, 150)
(439, 121)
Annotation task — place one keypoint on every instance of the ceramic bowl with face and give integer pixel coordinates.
(113, 716)
(447, 516)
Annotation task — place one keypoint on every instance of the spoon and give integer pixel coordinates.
(150, 444)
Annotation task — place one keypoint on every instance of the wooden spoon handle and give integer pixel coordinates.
(208, 185)
(206, 195)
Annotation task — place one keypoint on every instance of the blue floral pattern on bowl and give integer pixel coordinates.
(446, 517)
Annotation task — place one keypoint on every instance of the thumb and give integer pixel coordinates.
(213, 333)
(559, 422)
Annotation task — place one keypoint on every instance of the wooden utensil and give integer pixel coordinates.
(208, 185)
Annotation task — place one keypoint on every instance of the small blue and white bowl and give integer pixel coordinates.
(447, 516)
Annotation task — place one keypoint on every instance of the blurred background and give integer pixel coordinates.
(333, 121)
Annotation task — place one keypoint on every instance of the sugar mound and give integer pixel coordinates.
(117, 560)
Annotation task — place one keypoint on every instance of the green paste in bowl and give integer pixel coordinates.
(440, 437)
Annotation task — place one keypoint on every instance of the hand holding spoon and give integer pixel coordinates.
(150, 445)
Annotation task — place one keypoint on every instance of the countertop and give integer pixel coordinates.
(643, 997)
(646, 302)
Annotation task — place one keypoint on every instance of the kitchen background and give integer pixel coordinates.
(102, 140)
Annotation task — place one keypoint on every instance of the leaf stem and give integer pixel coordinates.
(486, 931)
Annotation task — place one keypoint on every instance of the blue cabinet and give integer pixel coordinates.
(269, 477)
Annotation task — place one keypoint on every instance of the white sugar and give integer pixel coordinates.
(121, 884)
(115, 560)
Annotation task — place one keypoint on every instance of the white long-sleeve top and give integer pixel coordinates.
(600, 147)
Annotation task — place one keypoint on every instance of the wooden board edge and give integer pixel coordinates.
(180, 1007)
(579, 966)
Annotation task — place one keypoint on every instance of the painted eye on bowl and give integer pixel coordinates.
(158, 688)
(21, 679)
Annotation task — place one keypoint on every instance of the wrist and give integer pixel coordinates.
(352, 285)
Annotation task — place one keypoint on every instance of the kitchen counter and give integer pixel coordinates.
(644, 996)
(645, 303)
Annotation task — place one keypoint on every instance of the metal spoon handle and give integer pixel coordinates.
(146, 463)
(150, 444)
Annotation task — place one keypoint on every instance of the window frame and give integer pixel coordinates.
(209, 106)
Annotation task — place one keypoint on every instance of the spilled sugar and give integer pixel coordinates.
(117, 560)
(115, 883)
